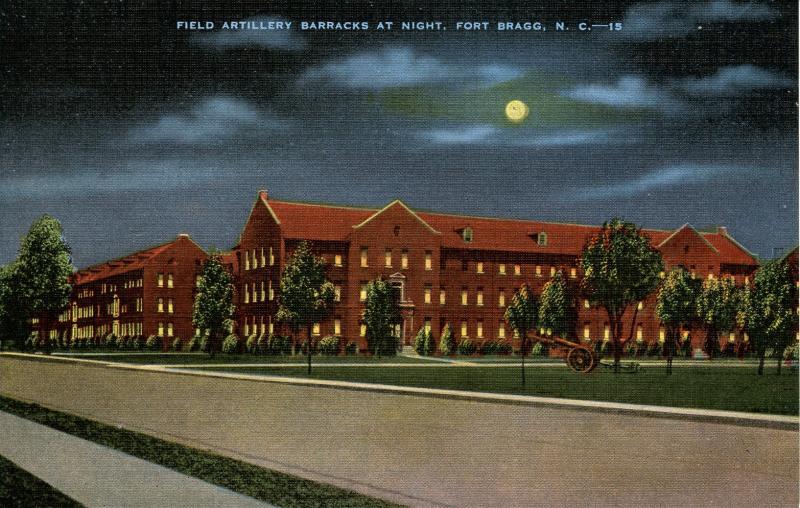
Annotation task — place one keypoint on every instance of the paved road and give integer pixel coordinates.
(97, 476)
(428, 451)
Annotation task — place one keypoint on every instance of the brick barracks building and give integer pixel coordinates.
(452, 269)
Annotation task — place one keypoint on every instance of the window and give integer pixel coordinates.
(246, 294)
(315, 329)
(263, 258)
(501, 298)
(586, 304)
(464, 329)
(364, 257)
(573, 273)
(246, 260)
(169, 330)
(363, 294)
(427, 325)
(197, 280)
(255, 297)
(538, 270)
(388, 258)
(337, 326)
(160, 329)
(363, 330)
(606, 332)
(160, 305)
(661, 274)
(479, 267)
(464, 297)
(501, 268)
(640, 306)
(479, 330)
(337, 260)
(732, 337)
(404, 259)
(428, 291)
(639, 333)
(428, 260)
(479, 297)
(337, 293)
(586, 332)
(170, 307)
(263, 291)
(517, 270)
(541, 239)
(271, 326)
(169, 281)
(466, 235)
(270, 291)
(552, 271)
(661, 335)
(160, 280)
(746, 279)
(442, 296)
(262, 326)
(246, 327)
(501, 331)
(710, 276)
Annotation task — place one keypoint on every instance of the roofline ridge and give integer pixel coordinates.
(120, 258)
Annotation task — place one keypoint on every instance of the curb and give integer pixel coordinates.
(779, 422)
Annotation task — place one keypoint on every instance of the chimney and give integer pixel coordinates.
(183, 235)
(722, 230)
(263, 194)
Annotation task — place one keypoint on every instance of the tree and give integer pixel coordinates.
(620, 268)
(767, 311)
(676, 307)
(521, 317)
(717, 304)
(213, 305)
(381, 314)
(555, 306)
(306, 294)
(447, 344)
(37, 282)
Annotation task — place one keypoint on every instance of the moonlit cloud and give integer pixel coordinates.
(403, 66)
(487, 135)
(648, 21)
(628, 91)
(735, 81)
(284, 39)
(213, 120)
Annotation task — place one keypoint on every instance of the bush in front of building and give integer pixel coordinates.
(120, 342)
(177, 344)
(447, 344)
(351, 348)
(466, 347)
(193, 344)
(251, 345)
(421, 341)
(231, 344)
(329, 346)
(138, 342)
(153, 343)
(280, 345)
(654, 349)
(110, 340)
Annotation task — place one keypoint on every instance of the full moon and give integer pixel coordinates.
(517, 111)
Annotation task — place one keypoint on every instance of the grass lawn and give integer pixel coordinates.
(271, 486)
(198, 358)
(20, 489)
(726, 388)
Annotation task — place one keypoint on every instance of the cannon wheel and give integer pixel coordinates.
(581, 359)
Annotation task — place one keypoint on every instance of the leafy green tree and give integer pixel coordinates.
(213, 305)
(767, 311)
(447, 344)
(521, 317)
(676, 307)
(717, 303)
(381, 314)
(306, 293)
(13, 313)
(620, 268)
(422, 342)
(555, 307)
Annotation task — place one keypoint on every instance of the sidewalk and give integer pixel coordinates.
(97, 476)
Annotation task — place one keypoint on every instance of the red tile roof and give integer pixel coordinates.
(330, 222)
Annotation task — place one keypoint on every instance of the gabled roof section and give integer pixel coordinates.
(397, 202)
(261, 198)
(308, 221)
(689, 227)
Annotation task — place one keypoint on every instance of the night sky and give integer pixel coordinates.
(130, 131)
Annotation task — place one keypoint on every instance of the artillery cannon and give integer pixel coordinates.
(579, 357)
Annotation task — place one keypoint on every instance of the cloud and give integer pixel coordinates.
(275, 38)
(670, 176)
(213, 120)
(735, 81)
(402, 66)
(487, 135)
(627, 92)
(648, 21)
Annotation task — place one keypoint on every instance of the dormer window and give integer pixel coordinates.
(541, 239)
(466, 234)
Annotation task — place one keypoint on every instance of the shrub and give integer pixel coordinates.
(420, 341)
(654, 349)
(230, 344)
(137, 342)
(120, 341)
(466, 347)
(251, 345)
(351, 348)
(537, 349)
(176, 344)
(110, 340)
(430, 344)
(329, 345)
(193, 344)
(630, 349)
(488, 347)
(503, 348)
(447, 343)
(153, 343)
(262, 344)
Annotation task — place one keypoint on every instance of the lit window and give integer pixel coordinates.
(363, 331)
(732, 337)
(404, 260)
(363, 294)
(573, 273)
(710, 276)
(364, 257)
(169, 280)
(501, 331)
(464, 297)
(538, 271)
(337, 260)
(263, 258)
(315, 329)
(662, 274)
(427, 325)
(517, 270)
(464, 329)
(428, 260)
(586, 304)
(169, 330)
(639, 332)
(552, 271)
(337, 293)
(160, 305)
(160, 280)
(586, 332)
(170, 308)
(246, 327)
(640, 306)
(197, 280)
(271, 327)
(160, 329)
(501, 268)
(479, 330)
(263, 291)
(337, 326)
(246, 293)
(606, 332)
(442, 297)
(262, 325)
(501, 299)
(479, 297)
(746, 280)
(661, 335)
(428, 294)
(479, 267)
(271, 257)
(270, 290)
(388, 258)
(247, 260)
